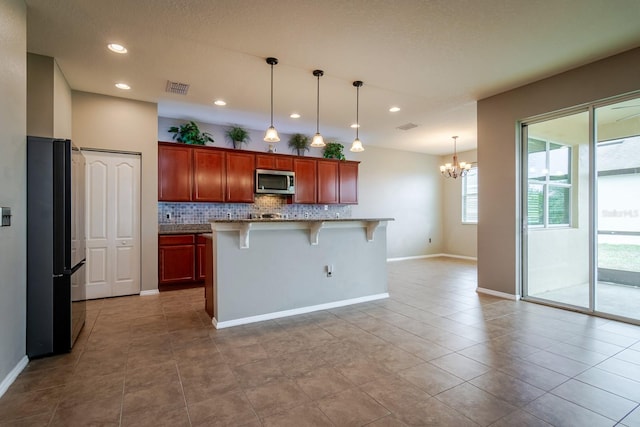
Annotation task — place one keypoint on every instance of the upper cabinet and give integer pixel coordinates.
(348, 183)
(327, 181)
(209, 175)
(174, 173)
(240, 177)
(305, 170)
(274, 162)
(189, 173)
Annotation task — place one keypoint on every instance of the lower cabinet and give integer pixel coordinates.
(180, 259)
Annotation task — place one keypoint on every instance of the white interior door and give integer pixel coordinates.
(113, 224)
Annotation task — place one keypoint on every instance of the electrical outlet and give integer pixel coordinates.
(329, 269)
(326, 207)
(169, 215)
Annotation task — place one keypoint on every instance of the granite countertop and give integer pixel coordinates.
(206, 228)
(299, 220)
(184, 228)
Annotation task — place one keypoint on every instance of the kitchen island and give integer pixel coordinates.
(269, 268)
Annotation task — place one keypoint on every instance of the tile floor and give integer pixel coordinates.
(435, 353)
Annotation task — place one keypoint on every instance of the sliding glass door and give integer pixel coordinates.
(581, 209)
(556, 176)
(618, 209)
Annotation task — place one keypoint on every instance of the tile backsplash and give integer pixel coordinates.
(201, 213)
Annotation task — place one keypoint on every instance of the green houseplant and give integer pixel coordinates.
(189, 133)
(237, 135)
(299, 143)
(333, 150)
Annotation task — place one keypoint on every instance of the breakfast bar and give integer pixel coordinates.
(264, 269)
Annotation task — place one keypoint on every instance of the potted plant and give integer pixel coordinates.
(237, 135)
(189, 133)
(333, 150)
(299, 143)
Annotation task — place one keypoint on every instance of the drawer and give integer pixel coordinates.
(176, 239)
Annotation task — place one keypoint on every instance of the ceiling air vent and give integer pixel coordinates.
(407, 126)
(176, 87)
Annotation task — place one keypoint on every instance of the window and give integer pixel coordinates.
(470, 197)
(549, 184)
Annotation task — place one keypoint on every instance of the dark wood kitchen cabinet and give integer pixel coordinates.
(305, 170)
(327, 173)
(176, 259)
(209, 175)
(274, 162)
(240, 177)
(174, 173)
(200, 257)
(348, 182)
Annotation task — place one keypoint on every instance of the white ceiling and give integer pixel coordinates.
(432, 58)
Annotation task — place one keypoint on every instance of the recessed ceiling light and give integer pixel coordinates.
(355, 125)
(394, 109)
(295, 116)
(220, 102)
(123, 86)
(117, 48)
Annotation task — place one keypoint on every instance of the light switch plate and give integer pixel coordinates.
(5, 213)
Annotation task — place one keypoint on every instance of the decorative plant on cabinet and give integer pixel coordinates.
(237, 135)
(189, 133)
(299, 143)
(333, 150)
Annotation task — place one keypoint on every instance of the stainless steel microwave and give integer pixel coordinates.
(275, 182)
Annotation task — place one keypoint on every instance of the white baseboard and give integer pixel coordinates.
(11, 376)
(497, 294)
(431, 256)
(295, 311)
(150, 292)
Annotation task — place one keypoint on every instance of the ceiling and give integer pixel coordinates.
(432, 58)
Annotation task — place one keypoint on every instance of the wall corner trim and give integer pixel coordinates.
(497, 294)
(149, 292)
(13, 374)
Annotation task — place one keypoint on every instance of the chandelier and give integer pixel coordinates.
(455, 169)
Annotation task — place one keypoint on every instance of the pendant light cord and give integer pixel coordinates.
(318, 106)
(357, 111)
(271, 95)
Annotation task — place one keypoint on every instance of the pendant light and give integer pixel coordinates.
(272, 134)
(318, 141)
(357, 147)
(455, 169)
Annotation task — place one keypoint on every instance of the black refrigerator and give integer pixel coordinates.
(56, 288)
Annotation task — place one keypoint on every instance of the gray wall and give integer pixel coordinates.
(498, 225)
(459, 239)
(120, 124)
(13, 189)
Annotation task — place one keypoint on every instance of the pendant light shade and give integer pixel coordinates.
(455, 169)
(318, 140)
(356, 146)
(272, 134)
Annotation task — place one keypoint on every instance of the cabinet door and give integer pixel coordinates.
(348, 182)
(240, 177)
(174, 173)
(305, 170)
(177, 264)
(274, 162)
(265, 161)
(284, 163)
(327, 182)
(200, 259)
(208, 175)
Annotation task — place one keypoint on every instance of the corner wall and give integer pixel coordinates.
(499, 218)
(13, 188)
(459, 239)
(120, 124)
